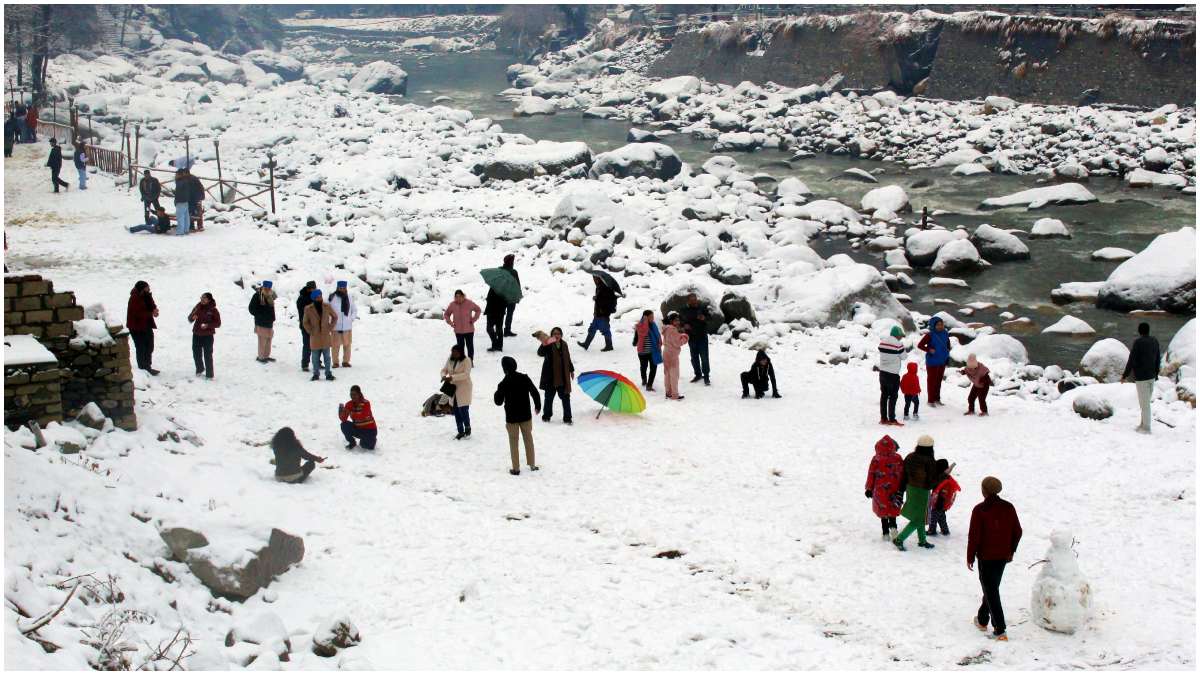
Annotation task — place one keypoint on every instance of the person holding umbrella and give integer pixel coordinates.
(557, 373)
(504, 291)
(494, 307)
(605, 303)
(509, 260)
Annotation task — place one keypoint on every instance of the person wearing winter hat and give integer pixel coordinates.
(920, 476)
(993, 538)
(319, 321)
(942, 498)
(205, 321)
(302, 303)
(891, 357)
(761, 373)
(346, 311)
(514, 393)
(981, 381)
(910, 386)
(262, 308)
(936, 345)
(884, 489)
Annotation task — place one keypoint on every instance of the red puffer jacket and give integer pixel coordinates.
(883, 478)
(205, 319)
(944, 494)
(139, 315)
(995, 531)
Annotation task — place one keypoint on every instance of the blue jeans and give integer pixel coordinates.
(548, 403)
(599, 324)
(183, 219)
(462, 418)
(141, 228)
(699, 351)
(82, 177)
(317, 355)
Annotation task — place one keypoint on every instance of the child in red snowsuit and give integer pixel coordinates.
(941, 499)
(910, 386)
(883, 484)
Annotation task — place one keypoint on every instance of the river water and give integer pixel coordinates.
(1124, 217)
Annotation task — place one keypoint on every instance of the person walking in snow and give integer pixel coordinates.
(262, 308)
(288, 453)
(183, 199)
(515, 392)
(648, 341)
(139, 319)
(936, 345)
(884, 484)
(604, 303)
(461, 314)
(891, 357)
(150, 190)
(920, 476)
(81, 162)
(557, 373)
(981, 382)
(1142, 366)
(205, 321)
(319, 322)
(55, 163)
(992, 540)
(494, 307)
(695, 321)
(510, 308)
(942, 498)
(456, 384)
(343, 333)
(761, 373)
(302, 302)
(673, 341)
(358, 424)
(910, 386)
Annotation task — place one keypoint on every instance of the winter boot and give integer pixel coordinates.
(924, 544)
(899, 544)
(980, 626)
(515, 472)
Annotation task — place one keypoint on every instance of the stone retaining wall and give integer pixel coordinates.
(32, 392)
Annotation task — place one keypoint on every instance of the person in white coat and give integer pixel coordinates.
(456, 384)
(346, 311)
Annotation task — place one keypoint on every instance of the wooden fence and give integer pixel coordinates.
(59, 132)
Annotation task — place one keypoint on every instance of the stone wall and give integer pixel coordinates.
(32, 392)
(90, 370)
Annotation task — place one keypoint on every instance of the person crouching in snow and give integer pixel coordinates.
(288, 453)
(357, 420)
(891, 356)
(920, 476)
(981, 382)
(910, 386)
(942, 499)
(760, 374)
(673, 340)
(884, 476)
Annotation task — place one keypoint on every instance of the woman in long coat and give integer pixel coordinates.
(457, 372)
(884, 478)
(673, 340)
(557, 373)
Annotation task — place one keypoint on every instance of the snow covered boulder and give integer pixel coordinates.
(334, 634)
(1061, 598)
(957, 157)
(181, 72)
(652, 160)
(265, 630)
(735, 306)
(792, 187)
(729, 269)
(993, 346)
(238, 564)
(1105, 360)
(677, 300)
(887, 198)
(826, 211)
(680, 87)
(519, 161)
(1179, 362)
(833, 294)
(1162, 276)
(380, 77)
(1139, 178)
(1075, 291)
(464, 230)
(741, 141)
(956, 257)
(1092, 406)
(528, 106)
(221, 70)
(1036, 198)
(1069, 325)
(1112, 254)
(641, 136)
(286, 67)
(1049, 228)
(922, 247)
(997, 245)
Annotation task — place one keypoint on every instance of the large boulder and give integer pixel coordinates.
(237, 565)
(1049, 228)
(381, 77)
(854, 292)
(587, 207)
(1092, 406)
(992, 347)
(286, 67)
(674, 87)
(528, 106)
(728, 268)
(1036, 198)
(652, 160)
(957, 257)
(735, 306)
(520, 161)
(1179, 361)
(922, 247)
(997, 245)
(1105, 360)
(890, 198)
(1162, 276)
(677, 300)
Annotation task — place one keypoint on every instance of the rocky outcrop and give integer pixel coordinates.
(237, 568)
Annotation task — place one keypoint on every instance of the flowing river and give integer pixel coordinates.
(1124, 217)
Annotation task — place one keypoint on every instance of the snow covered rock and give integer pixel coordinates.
(1036, 198)
(957, 157)
(236, 566)
(1162, 276)
(519, 161)
(993, 346)
(997, 245)
(826, 211)
(887, 198)
(969, 169)
(641, 136)
(380, 77)
(857, 174)
(462, 229)
(1092, 406)
(528, 106)
(1105, 360)
(956, 257)
(729, 269)
(735, 306)
(1049, 228)
(833, 294)
(922, 247)
(1061, 598)
(1142, 178)
(680, 87)
(652, 160)
(264, 629)
(676, 300)
(1180, 359)
(334, 634)
(1112, 253)
(742, 141)
(1071, 171)
(1069, 325)
(792, 187)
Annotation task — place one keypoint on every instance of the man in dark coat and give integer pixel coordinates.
(1144, 360)
(557, 373)
(196, 201)
(139, 319)
(10, 133)
(150, 189)
(760, 374)
(695, 324)
(494, 307)
(993, 538)
(603, 305)
(515, 392)
(509, 260)
(55, 164)
(262, 308)
(303, 301)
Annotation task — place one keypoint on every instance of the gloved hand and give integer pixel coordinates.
(869, 494)
(898, 499)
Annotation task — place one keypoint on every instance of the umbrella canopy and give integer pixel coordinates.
(613, 391)
(607, 280)
(503, 282)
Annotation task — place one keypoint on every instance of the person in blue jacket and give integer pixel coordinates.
(936, 345)
(648, 341)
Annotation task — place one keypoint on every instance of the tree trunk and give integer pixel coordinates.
(41, 48)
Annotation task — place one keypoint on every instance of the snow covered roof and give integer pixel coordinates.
(25, 350)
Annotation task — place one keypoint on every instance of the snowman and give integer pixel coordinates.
(1061, 597)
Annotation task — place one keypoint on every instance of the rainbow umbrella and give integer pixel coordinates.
(613, 391)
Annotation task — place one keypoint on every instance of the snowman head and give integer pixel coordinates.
(1061, 539)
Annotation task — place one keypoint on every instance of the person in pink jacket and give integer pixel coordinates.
(673, 340)
(461, 314)
(981, 382)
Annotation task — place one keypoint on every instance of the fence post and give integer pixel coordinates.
(137, 140)
(271, 169)
(220, 180)
(129, 158)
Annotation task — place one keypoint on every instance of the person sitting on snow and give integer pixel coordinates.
(760, 374)
(288, 453)
(357, 420)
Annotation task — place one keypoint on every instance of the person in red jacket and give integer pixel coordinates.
(910, 386)
(205, 321)
(942, 499)
(993, 538)
(357, 420)
(139, 319)
(883, 484)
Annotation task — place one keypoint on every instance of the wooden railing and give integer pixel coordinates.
(59, 132)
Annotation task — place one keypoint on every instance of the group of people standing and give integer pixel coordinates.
(935, 344)
(20, 126)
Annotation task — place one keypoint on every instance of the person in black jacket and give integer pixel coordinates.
(10, 133)
(303, 301)
(761, 372)
(288, 453)
(557, 373)
(494, 307)
(262, 308)
(512, 306)
(515, 392)
(1144, 359)
(55, 164)
(695, 324)
(150, 189)
(183, 199)
(604, 304)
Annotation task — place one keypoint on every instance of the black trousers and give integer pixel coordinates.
(760, 388)
(143, 345)
(365, 437)
(508, 314)
(889, 391)
(202, 353)
(56, 181)
(914, 401)
(888, 524)
(466, 342)
(990, 573)
(495, 331)
(305, 352)
(647, 365)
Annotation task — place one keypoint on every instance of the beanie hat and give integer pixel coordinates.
(897, 332)
(267, 284)
(925, 441)
(342, 284)
(941, 466)
(315, 294)
(992, 486)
